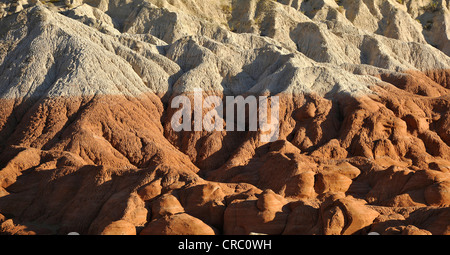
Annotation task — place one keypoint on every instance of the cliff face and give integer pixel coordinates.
(87, 144)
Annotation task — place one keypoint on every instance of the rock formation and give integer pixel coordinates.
(87, 144)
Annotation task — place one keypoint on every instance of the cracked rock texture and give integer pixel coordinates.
(87, 146)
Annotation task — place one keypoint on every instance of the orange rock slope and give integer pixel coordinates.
(349, 166)
(87, 146)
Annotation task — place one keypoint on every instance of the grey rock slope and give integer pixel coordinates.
(237, 46)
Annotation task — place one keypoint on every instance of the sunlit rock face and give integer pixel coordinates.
(88, 145)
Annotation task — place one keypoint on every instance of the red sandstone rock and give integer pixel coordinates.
(438, 194)
(267, 215)
(86, 143)
(303, 220)
(166, 205)
(178, 224)
(119, 228)
(206, 202)
(345, 216)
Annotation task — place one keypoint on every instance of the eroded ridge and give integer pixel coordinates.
(87, 145)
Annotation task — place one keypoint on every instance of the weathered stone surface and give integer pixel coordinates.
(178, 224)
(87, 145)
(267, 215)
(120, 227)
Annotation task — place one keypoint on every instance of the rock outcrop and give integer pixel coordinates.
(87, 144)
